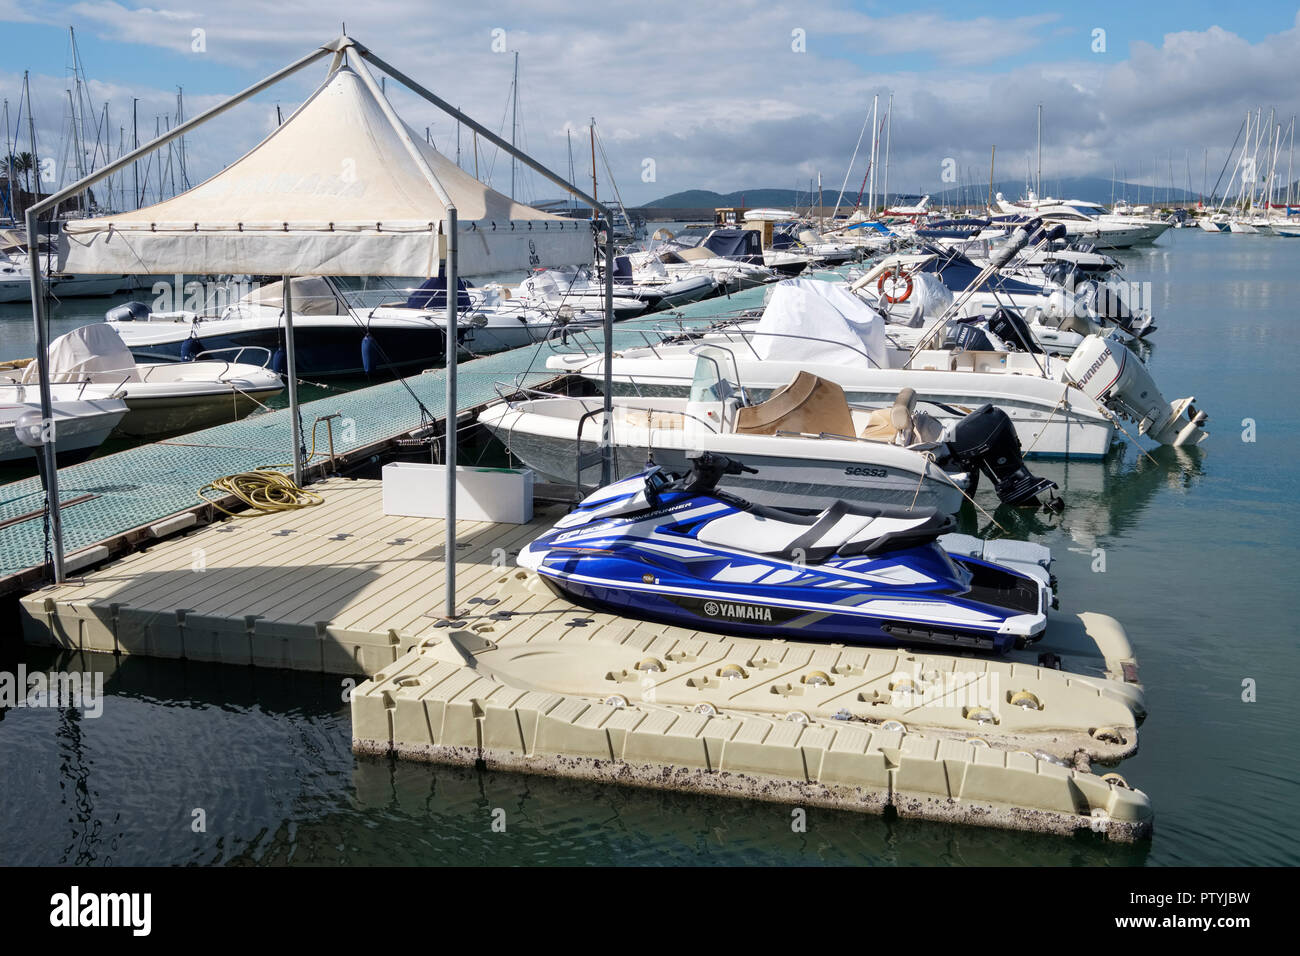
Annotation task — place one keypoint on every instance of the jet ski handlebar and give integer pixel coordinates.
(707, 469)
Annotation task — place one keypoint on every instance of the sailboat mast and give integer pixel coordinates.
(180, 118)
(993, 155)
(31, 134)
(135, 144)
(1290, 157)
(1038, 179)
(889, 128)
(9, 166)
(875, 143)
(514, 125)
(568, 135)
(592, 128)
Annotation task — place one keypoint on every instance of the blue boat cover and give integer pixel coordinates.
(432, 294)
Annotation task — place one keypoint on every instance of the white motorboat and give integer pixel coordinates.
(807, 445)
(162, 399)
(78, 427)
(15, 275)
(678, 260)
(1059, 408)
(1090, 221)
(552, 289)
(336, 332)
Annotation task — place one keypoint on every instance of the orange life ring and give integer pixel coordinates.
(897, 275)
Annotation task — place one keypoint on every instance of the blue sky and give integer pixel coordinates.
(714, 93)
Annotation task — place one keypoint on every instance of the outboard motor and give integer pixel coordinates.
(1012, 329)
(986, 440)
(966, 337)
(1110, 373)
(128, 312)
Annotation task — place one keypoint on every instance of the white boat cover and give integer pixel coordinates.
(332, 191)
(312, 295)
(93, 353)
(811, 320)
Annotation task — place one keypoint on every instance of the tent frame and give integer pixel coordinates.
(341, 50)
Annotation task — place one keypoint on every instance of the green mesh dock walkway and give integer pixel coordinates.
(143, 485)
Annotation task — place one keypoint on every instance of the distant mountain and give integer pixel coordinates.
(1091, 188)
(751, 198)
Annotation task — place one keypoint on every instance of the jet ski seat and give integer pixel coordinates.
(843, 528)
(808, 405)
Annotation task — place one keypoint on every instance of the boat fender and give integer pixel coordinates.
(898, 275)
(128, 312)
(278, 361)
(191, 348)
(368, 346)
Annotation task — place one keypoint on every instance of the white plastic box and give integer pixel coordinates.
(419, 490)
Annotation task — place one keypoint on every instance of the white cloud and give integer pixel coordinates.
(713, 92)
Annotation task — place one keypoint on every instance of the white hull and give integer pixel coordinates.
(80, 426)
(807, 472)
(1051, 418)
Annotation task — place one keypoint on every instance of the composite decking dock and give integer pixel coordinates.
(113, 503)
(524, 680)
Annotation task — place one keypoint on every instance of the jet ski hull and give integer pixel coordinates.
(712, 561)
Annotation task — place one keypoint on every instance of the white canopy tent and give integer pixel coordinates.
(332, 191)
(340, 188)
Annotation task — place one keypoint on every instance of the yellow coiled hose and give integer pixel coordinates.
(265, 491)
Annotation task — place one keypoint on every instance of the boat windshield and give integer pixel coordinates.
(716, 378)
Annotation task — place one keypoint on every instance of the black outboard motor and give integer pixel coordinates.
(1011, 328)
(985, 440)
(965, 336)
(128, 312)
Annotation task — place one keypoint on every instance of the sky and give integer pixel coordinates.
(701, 94)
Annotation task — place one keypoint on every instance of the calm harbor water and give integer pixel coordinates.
(1200, 551)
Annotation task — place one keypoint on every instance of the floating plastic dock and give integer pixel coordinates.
(525, 680)
(114, 501)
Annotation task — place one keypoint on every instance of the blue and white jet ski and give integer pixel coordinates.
(675, 549)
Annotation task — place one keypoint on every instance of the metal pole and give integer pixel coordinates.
(48, 436)
(451, 412)
(291, 372)
(607, 433)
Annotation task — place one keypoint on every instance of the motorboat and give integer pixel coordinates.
(678, 550)
(553, 289)
(663, 289)
(162, 398)
(78, 426)
(15, 274)
(1066, 408)
(807, 443)
(678, 259)
(1089, 221)
(340, 331)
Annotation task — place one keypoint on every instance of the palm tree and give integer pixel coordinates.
(24, 163)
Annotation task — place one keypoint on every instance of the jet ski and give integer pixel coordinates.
(675, 549)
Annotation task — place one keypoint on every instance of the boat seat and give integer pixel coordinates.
(843, 528)
(901, 423)
(808, 405)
